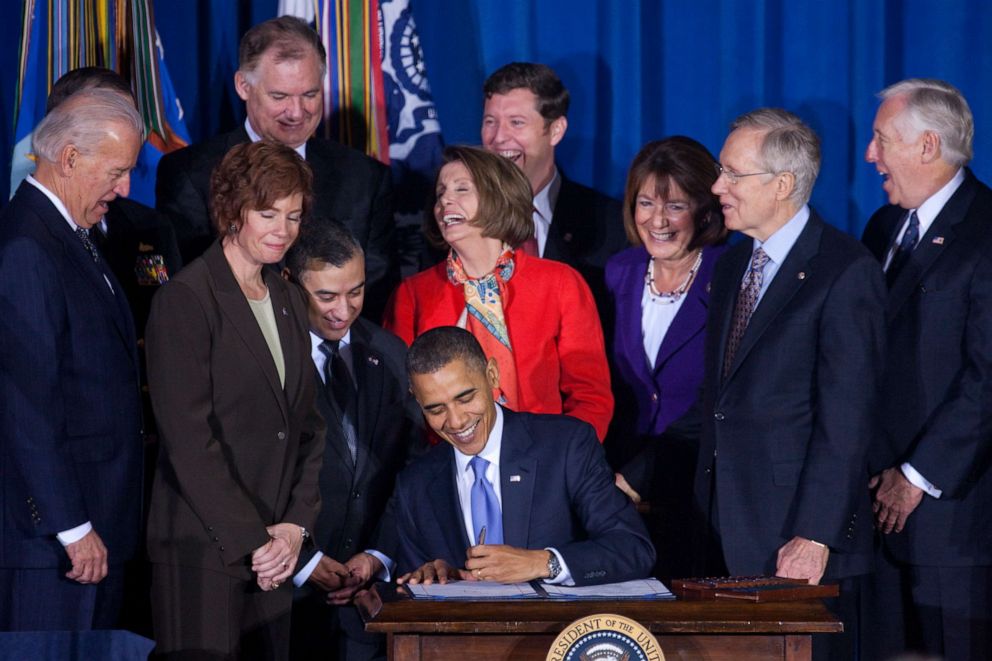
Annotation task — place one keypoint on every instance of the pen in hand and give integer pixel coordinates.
(482, 536)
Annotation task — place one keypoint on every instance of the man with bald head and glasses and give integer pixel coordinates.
(792, 356)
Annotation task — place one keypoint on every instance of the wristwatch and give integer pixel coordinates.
(554, 567)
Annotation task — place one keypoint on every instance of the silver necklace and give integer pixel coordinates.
(679, 291)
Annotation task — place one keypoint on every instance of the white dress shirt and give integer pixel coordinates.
(544, 203)
(465, 477)
(254, 137)
(778, 246)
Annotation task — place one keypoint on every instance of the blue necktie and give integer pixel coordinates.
(904, 249)
(485, 507)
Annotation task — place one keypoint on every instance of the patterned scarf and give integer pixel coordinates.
(484, 305)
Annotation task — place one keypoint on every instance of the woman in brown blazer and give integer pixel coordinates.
(231, 380)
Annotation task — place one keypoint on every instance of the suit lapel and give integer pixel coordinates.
(688, 322)
(235, 307)
(115, 305)
(369, 380)
(335, 430)
(517, 476)
(727, 283)
(628, 308)
(926, 252)
(447, 510)
(781, 290)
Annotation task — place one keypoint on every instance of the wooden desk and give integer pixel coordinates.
(525, 629)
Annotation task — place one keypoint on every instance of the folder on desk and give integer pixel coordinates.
(640, 589)
(473, 591)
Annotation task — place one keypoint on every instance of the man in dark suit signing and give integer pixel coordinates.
(524, 118)
(512, 496)
(280, 74)
(930, 463)
(793, 351)
(70, 423)
(373, 428)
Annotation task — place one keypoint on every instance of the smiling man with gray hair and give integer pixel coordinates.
(70, 424)
(930, 462)
(794, 346)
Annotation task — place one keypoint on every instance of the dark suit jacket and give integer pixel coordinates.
(785, 435)
(239, 451)
(586, 230)
(354, 495)
(650, 397)
(565, 499)
(70, 418)
(142, 251)
(937, 406)
(348, 186)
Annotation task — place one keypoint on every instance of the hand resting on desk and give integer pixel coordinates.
(437, 570)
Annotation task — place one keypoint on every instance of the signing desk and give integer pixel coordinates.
(525, 629)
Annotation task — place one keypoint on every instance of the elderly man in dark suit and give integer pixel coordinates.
(70, 425)
(933, 486)
(524, 118)
(523, 496)
(281, 68)
(793, 352)
(373, 428)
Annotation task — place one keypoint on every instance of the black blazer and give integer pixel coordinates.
(70, 412)
(785, 435)
(937, 399)
(389, 426)
(586, 230)
(142, 251)
(348, 186)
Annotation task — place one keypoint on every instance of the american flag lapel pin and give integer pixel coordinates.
(514, 478)
(285, 312)
(938, 240)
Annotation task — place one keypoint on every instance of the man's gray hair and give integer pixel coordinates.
(83, 120)
(789, 145)
(933, 105)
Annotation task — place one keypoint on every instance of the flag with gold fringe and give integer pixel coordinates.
(58, 36)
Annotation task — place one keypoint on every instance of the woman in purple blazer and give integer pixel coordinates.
(660, 290)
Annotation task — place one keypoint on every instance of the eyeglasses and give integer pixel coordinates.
(734, 177)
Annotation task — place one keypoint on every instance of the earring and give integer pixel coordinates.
(232, 229)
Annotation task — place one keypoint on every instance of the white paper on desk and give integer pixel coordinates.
(644, 588)
(472, 591)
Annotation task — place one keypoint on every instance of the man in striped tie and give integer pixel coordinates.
(512, 497)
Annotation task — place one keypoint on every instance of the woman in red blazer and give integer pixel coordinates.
(537, 317)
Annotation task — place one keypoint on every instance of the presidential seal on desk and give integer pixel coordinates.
(605, 637)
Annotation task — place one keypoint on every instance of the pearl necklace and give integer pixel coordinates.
(679, 291)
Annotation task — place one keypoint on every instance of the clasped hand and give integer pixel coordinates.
(275, 561)
(895, 499)
(342, 581)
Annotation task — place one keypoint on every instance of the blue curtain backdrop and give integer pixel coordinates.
(637, 69)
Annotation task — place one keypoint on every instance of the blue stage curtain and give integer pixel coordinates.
(637, 70)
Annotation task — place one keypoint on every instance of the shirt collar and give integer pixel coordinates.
(493, 445)
(254, 137)
(778, 245)
(545, 199)
(318, 356)
(54, 200)
(929, 210)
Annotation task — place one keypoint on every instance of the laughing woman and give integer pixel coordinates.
(535, 316)
(660, 290)
(231, 380)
